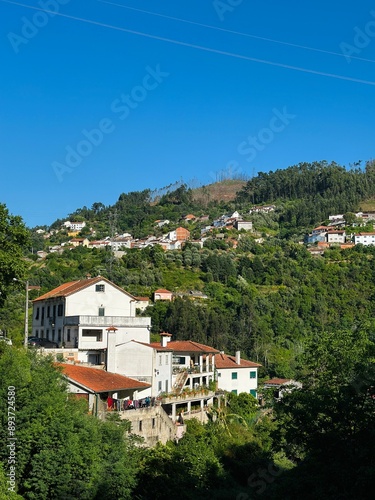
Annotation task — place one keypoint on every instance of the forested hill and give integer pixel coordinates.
(305, 194)
(311, 191)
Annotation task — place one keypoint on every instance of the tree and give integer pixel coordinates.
(14, 237)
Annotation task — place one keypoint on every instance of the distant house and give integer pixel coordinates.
(189, 218)
(80, 242)
(281, 385)
(243, 224)
(74, 226)
(141, 303)
(162, 294)
(236, 375)
(336, 236)
(364, 239)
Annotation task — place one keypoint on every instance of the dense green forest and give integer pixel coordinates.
(303, 317)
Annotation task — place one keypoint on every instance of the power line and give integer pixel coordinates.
(198, 47)
(248, 35)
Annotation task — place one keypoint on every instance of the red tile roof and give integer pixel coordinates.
(142, 299)
(154, 345)
(277, 381)
(162, 290)
(187, 346)
(96, 380)
(76, 286)
(225, 361)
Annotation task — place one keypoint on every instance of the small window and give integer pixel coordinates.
(253, 392)
(101, 311)
(140, 426)
(166, 359)
(159, 386)
(153, 423)
(234, 375)
(99, 288)
(253, 375)
(68, 335)
(37, 313)
(59, 310)
(160, 360)
(234, 391)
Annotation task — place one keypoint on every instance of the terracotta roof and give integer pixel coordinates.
(187, 346)
(142, 299)
(75, 286)
(162, 290)
(96, 380)
(225, 361)
(154, 345)
(278, 381)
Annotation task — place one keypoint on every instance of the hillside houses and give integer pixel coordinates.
(109, 360)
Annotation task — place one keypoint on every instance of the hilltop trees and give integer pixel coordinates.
(13, 239)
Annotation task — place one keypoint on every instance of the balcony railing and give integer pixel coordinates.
(118, 321)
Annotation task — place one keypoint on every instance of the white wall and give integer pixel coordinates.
(243, 383)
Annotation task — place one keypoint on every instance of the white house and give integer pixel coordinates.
(336, 237)
(193, 364)
(236, 375)
(144, 362)
(364, 239)
(80, 314)
(74, 226)
(243, 224)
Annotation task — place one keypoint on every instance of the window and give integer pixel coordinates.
(37, 313)
(48, 311)
(101, 311)
(159, 386)
(160, 360)
(99, 288)
(253, 374)
(47, 334)
(59, 335)
(60, 310)
(96, 335)
(234, 375)
(54, 311)
(153, 423)
(36, 333)
(234, 391)
(253, 392)
(140, 426)
(53, 335)
(68, 335)
(166, 359)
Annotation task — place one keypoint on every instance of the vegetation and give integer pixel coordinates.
(301, 317)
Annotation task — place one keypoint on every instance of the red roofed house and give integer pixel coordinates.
(97, 385)
(236, 375)
(78, 314)
(280, 385)
(162, 294)
(193, 364)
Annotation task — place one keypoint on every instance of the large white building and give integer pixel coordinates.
(79, 314)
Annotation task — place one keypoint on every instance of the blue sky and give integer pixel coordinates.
(99, 99)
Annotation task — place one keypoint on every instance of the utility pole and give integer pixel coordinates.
(26, 283)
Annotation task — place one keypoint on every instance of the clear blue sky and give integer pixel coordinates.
(167, 107)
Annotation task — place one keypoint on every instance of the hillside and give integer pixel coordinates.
(224, 191)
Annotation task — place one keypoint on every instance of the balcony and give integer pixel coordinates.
(106, 321)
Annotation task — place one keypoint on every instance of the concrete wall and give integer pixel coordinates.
(243, 383)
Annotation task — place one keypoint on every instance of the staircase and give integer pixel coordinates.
(180, 382)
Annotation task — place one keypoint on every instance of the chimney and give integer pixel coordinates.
(111, 349)
(165, 338)
(238, 357)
